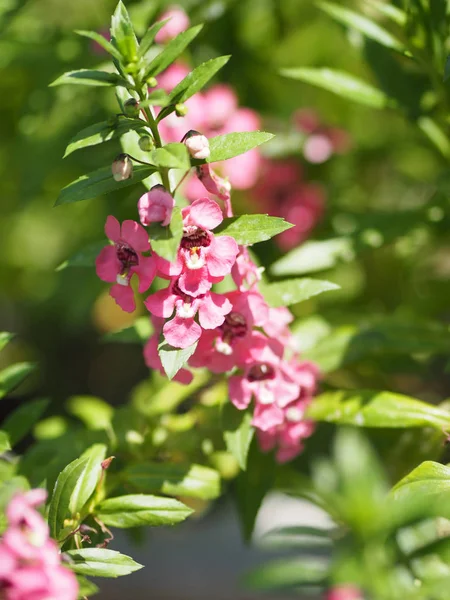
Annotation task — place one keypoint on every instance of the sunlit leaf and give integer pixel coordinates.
(22, 420)
(172, 51)
(166, 240)
(237, 432)
(230, 145)
(88, 477)
(14, 375)
(251, 229)
(100, 562)
(90, 77)
(174, 359)
(291, 291)
(101, 41)
(122, 33)
(141, 509)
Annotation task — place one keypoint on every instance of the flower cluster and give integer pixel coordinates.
(30, 562)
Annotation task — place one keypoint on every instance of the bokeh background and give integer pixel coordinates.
(382, 215)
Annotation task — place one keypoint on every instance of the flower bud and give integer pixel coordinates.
(181, 110)
(131, 108)
(122, 167)
(146, 143)
(197, 144)
(105, 463)
(156, 206)
(152, 82)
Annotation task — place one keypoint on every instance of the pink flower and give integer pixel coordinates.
(215, 185)
(345, 592)
(179, 22)
(321, 141)
(244, 272)
(156, 206)
(318, 148)
(203, 259)
(119, 262)
(30, 562)
(153, 361)
(197, 145)
(182, 330)
(227, 346)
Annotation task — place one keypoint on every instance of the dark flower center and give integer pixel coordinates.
(194, 237)
(126, 256)
(234, 326)
(261, 372)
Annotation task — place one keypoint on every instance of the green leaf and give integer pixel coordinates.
(156, 98)
(141, 509)
(138, 333)
(14, 375)
(101, 41)
(342, 84)
(367, 408)
(362, 24)
(230, 145)
(174, 479)
(149, 37)
(98, 183)
(289, 573)
(102, 132)
(21, 421)
(88, 477)
(85, 257)
(86, 588)
(291, 291)
(90, 77)
(59, 505)
(437, 136)
(172, 51)
(252, 486)
(5, 444)
(174, 359)
(298, 536)
(100, 562)
(166, 240)
(251, 229)
(122, 33)
(237, 432)
(5, 338)
(388, 10)
(172, 156)
(314, 256)
(447, 69)
(95, 413)
(193, 82)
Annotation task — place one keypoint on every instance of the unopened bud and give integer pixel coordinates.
(122, 167)
(146, 143)
(156, 206)
(105, 464)
(131, 108)
(197, 144)
(181, 110)
(152, 82)
(113, 121)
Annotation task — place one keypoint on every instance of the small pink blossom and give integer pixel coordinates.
(215, 185)
(245, 273)
(156, 206)
(119, 262)
(318, 148)
(182, 330)
(197, 145)
(321, 141)
(179, 22)
(203, 258)
(345, 592)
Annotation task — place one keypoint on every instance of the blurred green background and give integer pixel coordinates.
(381, 196)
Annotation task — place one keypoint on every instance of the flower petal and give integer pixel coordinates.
(240, 391)
(168, 269)
(112, 228)
(135, 236)
(124, 297)
(195, 282)
(212, 310)
(205, 213)
(267, 416)
(146, 271)
(161, 303)
(221, 255)
(107, 266)
(181, 333)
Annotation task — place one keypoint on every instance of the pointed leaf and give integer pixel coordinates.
(314, 256)
(141, 509)
(122, 33)
(237, 432)
(172, 156)
(342, 84)
(367, 408)
(95, 413)
(101, 41)
(22, 420)
(90, 77)
(174, 359)
(172, 51)
(88, 478)
(5, 338)
(388, 10)
(85, 257)
(251, 229)
(149, 37)
(12, 376)
(102, 132)
(174, 479)
(5, 444)
(166, 240)
(193, 82)
(86, 588)
(362, 24)
(230, 145)
(98, 183)
(291, 291)
(289, 573)
(100, 562)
